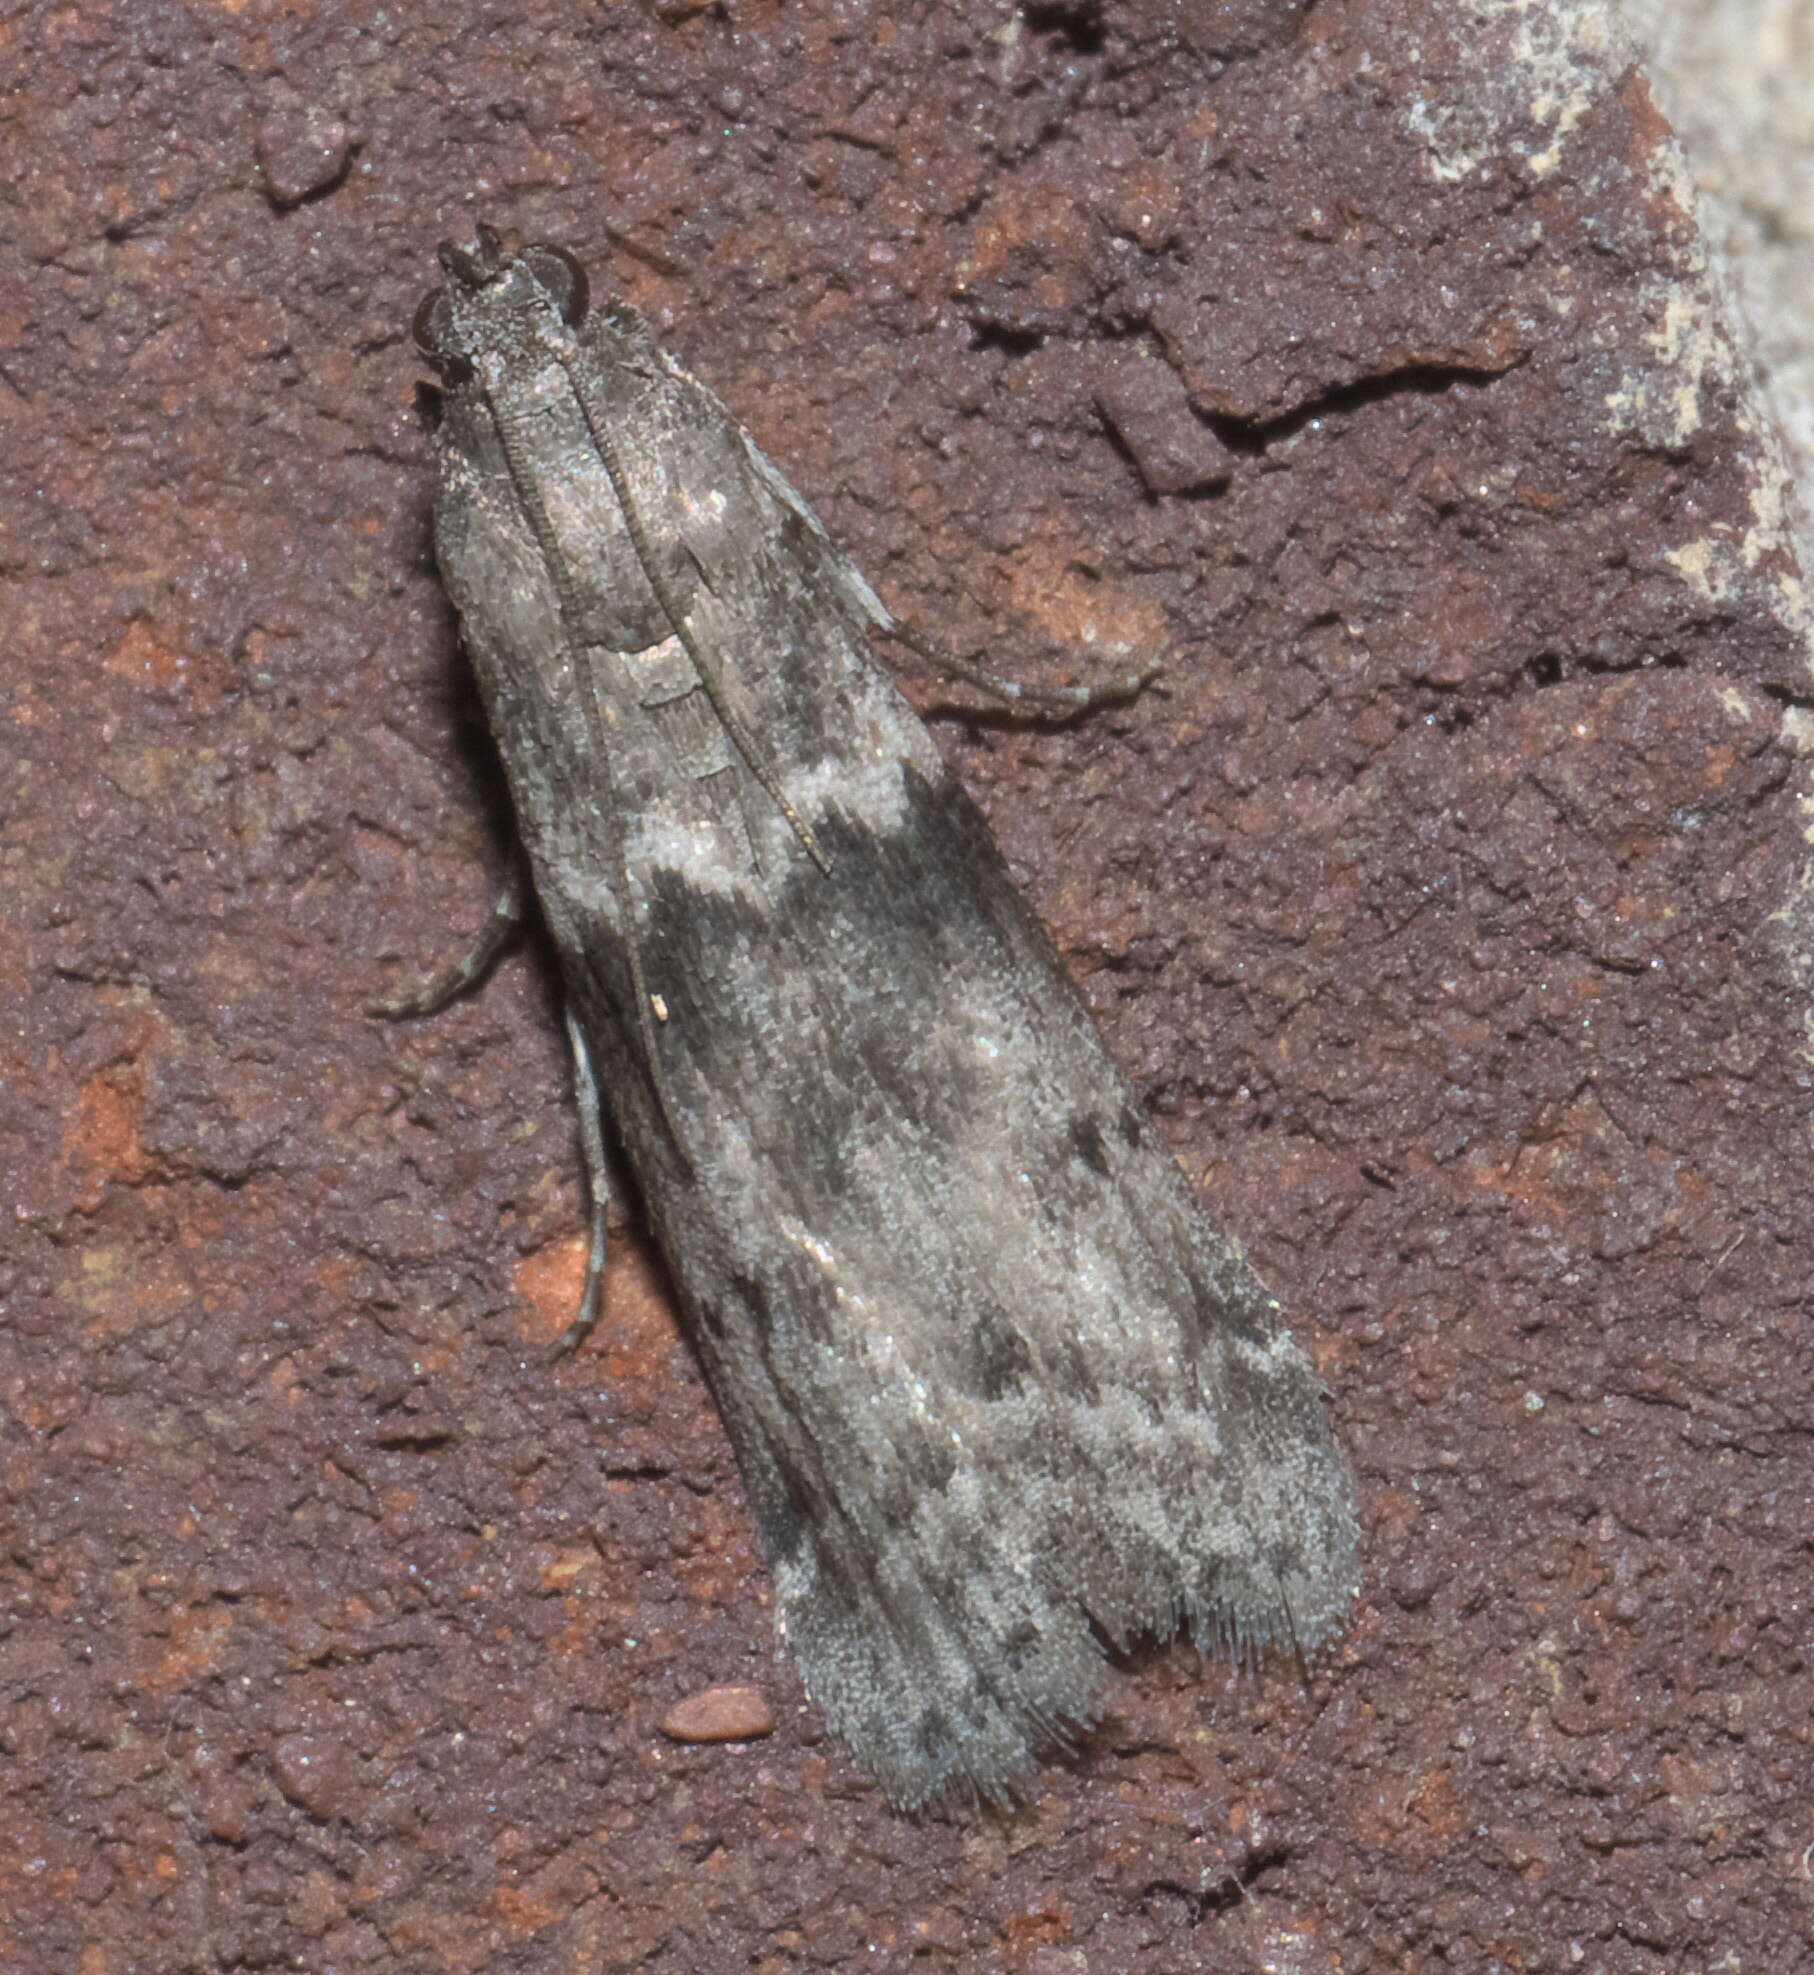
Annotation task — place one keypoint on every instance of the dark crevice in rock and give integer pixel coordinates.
(1414, 380)
(986, 335)
(1553, 668)
(1231, 1890)
(1078, 24)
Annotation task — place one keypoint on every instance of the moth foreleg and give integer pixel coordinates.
(1014, 691)
(509, 908)
(599, 1189)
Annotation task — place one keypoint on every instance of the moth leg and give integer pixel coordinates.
(1010, 691)
(598, 1187)
(509, 908)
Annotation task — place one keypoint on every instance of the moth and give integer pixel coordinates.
(1001, 1396)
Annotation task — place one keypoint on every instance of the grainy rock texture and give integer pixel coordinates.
(1362, 361)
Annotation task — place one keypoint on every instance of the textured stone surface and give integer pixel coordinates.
(1736, 78)
(1362, 361)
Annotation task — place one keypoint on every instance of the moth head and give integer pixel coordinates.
(490, 294)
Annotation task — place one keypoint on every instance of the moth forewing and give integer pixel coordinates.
(997, 1387)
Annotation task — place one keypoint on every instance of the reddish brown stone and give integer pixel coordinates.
(720, 1714)
(1445, 898)
(303, 151)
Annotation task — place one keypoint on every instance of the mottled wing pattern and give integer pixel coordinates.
(999, 1391)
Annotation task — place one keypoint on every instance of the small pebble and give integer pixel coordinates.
(303, 150)
(720, 1714)
(1173, 450)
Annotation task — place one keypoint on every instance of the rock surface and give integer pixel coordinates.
(1361, 361)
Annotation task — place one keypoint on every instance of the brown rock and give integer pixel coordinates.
(303, 151)
(720, 1714)
(1445, 899)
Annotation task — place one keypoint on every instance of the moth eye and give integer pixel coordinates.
(562, 276)
(429, 329)
(423, 327)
